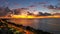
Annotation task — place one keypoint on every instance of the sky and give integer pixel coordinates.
(38, 5)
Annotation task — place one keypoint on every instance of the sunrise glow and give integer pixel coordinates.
(22, 16)
(32, 16)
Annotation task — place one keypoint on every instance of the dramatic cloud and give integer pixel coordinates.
(53, 7)
(50, 7)
(58, 8)
(4, 11)
(31, 6)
